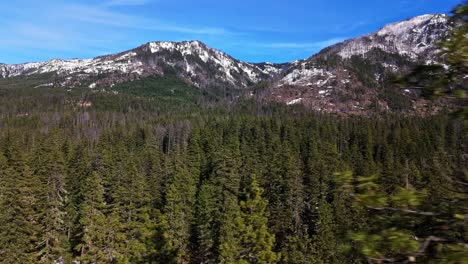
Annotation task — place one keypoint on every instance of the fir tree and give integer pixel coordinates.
(131, 210)
(19, 198)
(324, 240)
(205, 232)
(256, 242)
(153, 171)
(49, 168)
(93, 221)
(178, 211)
(78, 169)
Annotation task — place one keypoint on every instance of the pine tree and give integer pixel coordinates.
(230, 247)
(78, 169)
(298, 249)
(205, 233)
(227, 179)
(19, 199)
(131, 210)
(294, 187)
(324, 240)
(49, 168)
(291, 206)
(179, 209)
(153, 171)
(275, 187)
(93, 221)
(195, 155)
(256, 243)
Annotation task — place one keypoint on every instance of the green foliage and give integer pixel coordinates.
(405, 197)
(167, 89)
(206, 233)
(19, 197)
(393, 240)
(395, 100)
(370, 193)
(93, 222)
(178, 211)
(130, 182)
(325, 240)
(49, 168)
(153, 174)
(387, 242)
(298, 250)
(255, 240)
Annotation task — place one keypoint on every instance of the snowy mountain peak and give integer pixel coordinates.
(412, 38)
(344, 77)
(197, 64)
(192, 61)
(413, 25)
(194, 47)
(231, 68)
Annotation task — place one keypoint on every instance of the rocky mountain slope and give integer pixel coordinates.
(414, 38)
(191, 61)
(351, 76)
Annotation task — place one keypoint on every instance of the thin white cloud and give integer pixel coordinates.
(87, 30)
(127, 2)
(302, 45)
(33, 38)
(107, 17)
(36, 32)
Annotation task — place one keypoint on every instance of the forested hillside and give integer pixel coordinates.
(114, 183)
(158, 170)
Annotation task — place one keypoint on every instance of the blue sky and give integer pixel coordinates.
(250, 30)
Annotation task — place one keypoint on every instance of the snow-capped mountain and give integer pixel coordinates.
(413, 38)
(346, 77)
(355, 67)
(192, 61)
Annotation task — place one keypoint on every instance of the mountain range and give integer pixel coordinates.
(350, 77)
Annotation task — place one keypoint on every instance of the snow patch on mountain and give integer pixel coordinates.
(3, 70)
(202, 66)
(90, 66)
(269, 69)
(295, 101)
(147, 60)
(411, 37)
(223, 62)
(308, 76)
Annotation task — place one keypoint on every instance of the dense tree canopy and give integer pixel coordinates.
(135, 179)
(252, 185)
